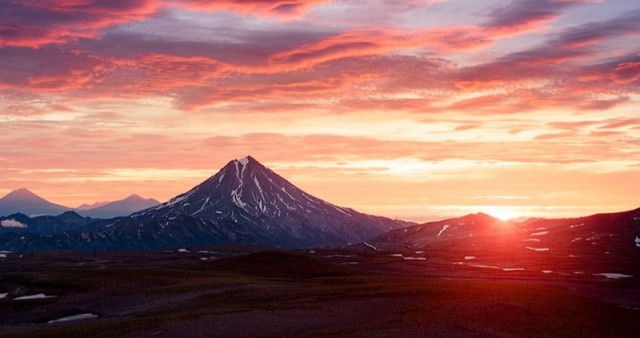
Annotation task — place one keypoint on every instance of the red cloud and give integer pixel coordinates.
(34, 23)
(382, 41)
(521, 16)
(278, 8)
(38, 23)
(627, 72)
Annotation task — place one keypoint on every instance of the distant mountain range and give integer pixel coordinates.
(244, 202)
(123, 207)
(26, 202)
(47, 225)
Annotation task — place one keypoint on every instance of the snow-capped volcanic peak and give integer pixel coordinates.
(244, 186)
(248, 193)
(244, 160)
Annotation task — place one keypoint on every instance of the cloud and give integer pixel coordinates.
(621, 123)
(37, 23)
(626, 72)
(277, 8)
(12, 223)
(596, 32)
(521, 16)
(362, 42)
(303, 66)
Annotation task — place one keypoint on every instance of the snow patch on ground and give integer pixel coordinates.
(36, 296)
(547, 271)
(3, 295)
(513, 269)
(637, 242)
(537, 249)
(469, 257)
(415, 258)
(370, 246)
(444, 227)
(3, 256)
(175, 200)
(183, 250)
(74, 317)
(396, 255)
(612, 275)
(531, 240)
(576, 225)
(484, 266)
(540, 233)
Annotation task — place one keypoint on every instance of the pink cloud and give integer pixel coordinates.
(364, 42)
(34, 24)
(626, 72)
(521, 16)
(277, 8)
(38, 23)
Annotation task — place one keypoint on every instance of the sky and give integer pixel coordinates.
(415, 109)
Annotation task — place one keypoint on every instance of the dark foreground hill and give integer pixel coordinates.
(606, 245)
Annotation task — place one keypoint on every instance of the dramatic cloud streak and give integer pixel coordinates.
(430, 102)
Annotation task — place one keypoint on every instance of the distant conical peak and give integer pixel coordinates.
(23, 193)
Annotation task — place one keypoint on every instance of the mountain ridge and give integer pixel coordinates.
(118, 208)
(25, 201)
(244, 202)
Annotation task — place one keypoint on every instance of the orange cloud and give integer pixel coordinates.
(627, 72)
(277, 8)
(364, 42)
(34, 24)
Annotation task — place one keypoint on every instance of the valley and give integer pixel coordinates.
(245, 291)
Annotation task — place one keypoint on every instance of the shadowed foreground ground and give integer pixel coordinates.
(283, 294)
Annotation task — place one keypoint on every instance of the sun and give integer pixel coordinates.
(502, 213)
